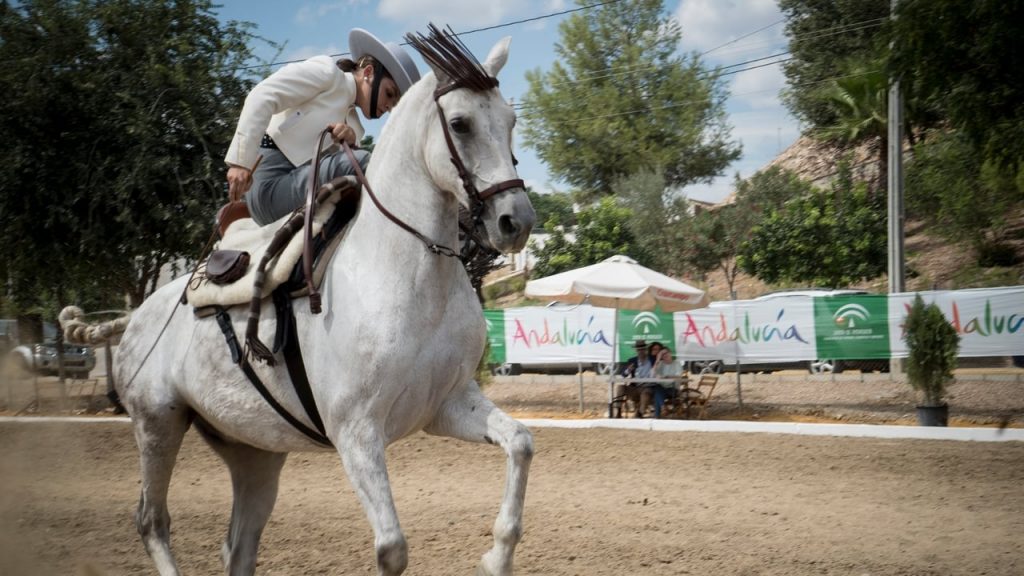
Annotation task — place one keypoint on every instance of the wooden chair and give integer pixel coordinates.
(701, 395)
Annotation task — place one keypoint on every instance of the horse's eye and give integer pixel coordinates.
(459, 126)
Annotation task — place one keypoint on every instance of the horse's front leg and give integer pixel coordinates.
(362, 453)
(469, 415)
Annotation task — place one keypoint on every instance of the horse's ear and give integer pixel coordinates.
(442, 78)
(498, 56)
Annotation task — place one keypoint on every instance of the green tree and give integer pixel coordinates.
(961, 196)
(823, 36)
(964, 59)
(859, 102)
(827, 238)
(553, 210)
(116, 115)
(660, 221)
(718, 236)
(932, 343)
(601, 232)
(620, 100)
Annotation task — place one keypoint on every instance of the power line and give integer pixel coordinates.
(632, 68)
(463, 33)
(576, 104)
(831, 31)
(700, 101)
(748, 35)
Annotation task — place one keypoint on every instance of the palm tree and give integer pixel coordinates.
(860, 100)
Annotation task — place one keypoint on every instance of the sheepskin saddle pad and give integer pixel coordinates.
(245, 234)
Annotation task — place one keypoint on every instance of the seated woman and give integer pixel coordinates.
(665, 366)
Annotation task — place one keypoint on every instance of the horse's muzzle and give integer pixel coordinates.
(514, 222)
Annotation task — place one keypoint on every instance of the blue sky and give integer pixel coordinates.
(758, 120)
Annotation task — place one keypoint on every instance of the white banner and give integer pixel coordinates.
(781, 329)
(990, 321)
(564, 334)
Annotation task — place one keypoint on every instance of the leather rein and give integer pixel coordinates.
(476, 197)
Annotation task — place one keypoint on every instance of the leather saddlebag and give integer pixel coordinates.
(226, 266)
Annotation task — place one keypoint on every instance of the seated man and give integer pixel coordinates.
(638, 366)
(665, 366)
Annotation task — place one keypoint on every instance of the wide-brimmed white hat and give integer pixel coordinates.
(393, 57)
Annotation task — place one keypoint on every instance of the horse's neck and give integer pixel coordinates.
(401, 183)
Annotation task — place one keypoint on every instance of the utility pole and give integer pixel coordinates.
(895, 186)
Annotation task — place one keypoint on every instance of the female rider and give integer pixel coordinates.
(285, 113)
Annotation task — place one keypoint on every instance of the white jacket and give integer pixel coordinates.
(293, 105)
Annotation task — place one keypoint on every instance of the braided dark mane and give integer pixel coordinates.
(443, 50)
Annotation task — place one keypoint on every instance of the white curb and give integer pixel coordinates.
(843, 430)
(846, 430)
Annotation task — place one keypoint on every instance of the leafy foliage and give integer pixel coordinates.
(965, 60)
(660, 221)
(826, 238)
(554, 209)
(859, 101)
(601, 232)
(932, 343)
(823, 36)
(718, 236)
(960, 195)
(619, 100)
(115, 116)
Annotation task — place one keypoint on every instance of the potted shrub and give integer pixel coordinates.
(933, 344)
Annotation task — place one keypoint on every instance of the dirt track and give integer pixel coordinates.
(600, 502)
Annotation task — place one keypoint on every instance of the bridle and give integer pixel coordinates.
(476, 197)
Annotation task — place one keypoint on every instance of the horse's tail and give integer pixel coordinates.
(78, 331)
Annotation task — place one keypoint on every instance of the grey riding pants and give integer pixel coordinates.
(279, 187)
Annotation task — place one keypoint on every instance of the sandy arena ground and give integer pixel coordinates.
(600, 502)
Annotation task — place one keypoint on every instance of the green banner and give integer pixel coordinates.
(656, 326)
(495, 320)
(850, 327)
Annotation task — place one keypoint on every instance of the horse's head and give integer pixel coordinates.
(469, 151)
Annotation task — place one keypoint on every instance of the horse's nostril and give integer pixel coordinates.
(508, 225)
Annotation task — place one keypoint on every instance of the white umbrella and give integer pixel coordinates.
(618, 282)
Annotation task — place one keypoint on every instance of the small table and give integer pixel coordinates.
(682, 388)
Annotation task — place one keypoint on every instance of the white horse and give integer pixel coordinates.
(394, 352)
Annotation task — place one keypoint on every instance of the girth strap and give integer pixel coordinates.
(293, 357)
(224, 320)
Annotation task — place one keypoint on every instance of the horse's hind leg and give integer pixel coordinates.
(158, 433)
(254, 480)
(471, 416)
(362, 453)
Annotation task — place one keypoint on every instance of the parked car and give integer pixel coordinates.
(42, 358)
(514, 369)
(818, 366)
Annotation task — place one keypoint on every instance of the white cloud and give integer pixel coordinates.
(314, 13)
(456, 13)
(708, 24)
